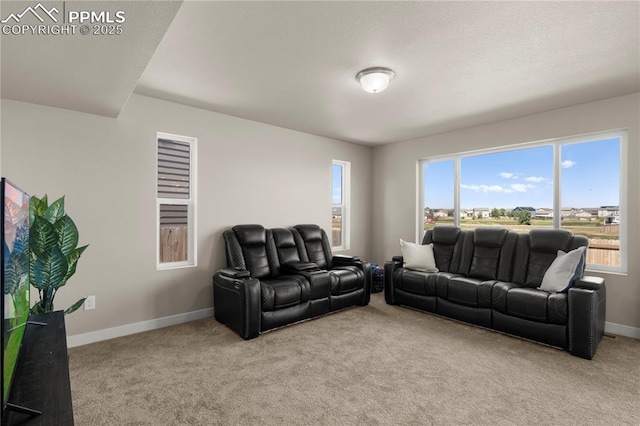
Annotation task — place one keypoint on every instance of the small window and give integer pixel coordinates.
(176, 201)
(340, 177)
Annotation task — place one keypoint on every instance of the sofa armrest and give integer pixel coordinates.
(587, 314)
(342, 260)
(399, 259)
(294, 267)
(589, 283)
(389, 286)
(319, 282)
(237, 302)
(236, 273)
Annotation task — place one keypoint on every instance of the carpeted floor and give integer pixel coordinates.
(369, 365)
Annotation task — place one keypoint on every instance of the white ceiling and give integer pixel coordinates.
(293, 64)
(88, 73)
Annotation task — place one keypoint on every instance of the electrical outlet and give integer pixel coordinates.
(90, 303)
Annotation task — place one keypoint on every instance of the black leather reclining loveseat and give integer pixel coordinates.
(490, 277)
(276, 277)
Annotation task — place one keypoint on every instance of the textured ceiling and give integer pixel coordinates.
(293, 64)
(88, 73)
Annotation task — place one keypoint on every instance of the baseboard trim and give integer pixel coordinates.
(137, 327)
(622, 330)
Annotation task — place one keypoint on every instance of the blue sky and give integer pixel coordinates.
(590, 176)
(336, 189)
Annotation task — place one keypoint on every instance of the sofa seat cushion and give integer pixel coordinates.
(470, 291)
(345, 279)
(424, 283)
(537, 305)
(284, 291)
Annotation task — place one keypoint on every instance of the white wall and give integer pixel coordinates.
(395, 182)
(248, 172)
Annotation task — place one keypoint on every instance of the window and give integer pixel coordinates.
(572, 183)
(176, 201)
(438, 196)
(340, 183)
(507, 188)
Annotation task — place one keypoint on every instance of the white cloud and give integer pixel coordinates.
(508, 175)
(568, 163)
(483, 188)
(535, 179)
(521, 187)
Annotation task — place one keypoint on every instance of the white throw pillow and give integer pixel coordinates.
(418, 257)
(565, 269)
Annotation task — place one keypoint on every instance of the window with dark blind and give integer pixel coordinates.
(176, 200)
(174, 169)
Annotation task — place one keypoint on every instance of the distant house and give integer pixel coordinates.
(521, 209)
(584, 215)
(481, 212)
(567, 211)
(605, 211)
(440, 213)
(465, 214)
(592, 211)
(544, 213)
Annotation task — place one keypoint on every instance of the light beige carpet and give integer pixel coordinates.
(369, 365)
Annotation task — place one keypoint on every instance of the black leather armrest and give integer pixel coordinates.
(389, 286)
(587, 315)
(300, 266)
(237, 301)
(398, 259)
(319, 282)
(589, 283)
(234, 273)
(341, 259)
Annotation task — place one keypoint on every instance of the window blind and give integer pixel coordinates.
(174, 215)
(174, 169)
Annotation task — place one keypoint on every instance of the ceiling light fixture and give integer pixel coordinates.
(374, 80)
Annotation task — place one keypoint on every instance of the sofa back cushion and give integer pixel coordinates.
(447, 243)
(315, 245)
(538, 249)
(254, 243)
(286, 248)
(487, 249)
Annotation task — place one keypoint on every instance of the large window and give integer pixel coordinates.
(573, 183)
(176, 201)
(439, 189)
(340, 185)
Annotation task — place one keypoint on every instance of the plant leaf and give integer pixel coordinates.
(49, 294)
(38, 308)
(37, 207)
(67, 234)
(55, 211)
(50, 270)
(71, 309)
(72, 260)
(42, 236)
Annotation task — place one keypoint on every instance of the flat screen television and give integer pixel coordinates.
(15, 279)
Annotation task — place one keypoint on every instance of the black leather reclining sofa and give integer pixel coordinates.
(276, 277)
(490, 277)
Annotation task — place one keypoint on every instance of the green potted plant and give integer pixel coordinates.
(54, 251)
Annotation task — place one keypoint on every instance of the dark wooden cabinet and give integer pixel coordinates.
(41, 380)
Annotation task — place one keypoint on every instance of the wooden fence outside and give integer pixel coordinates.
(603, 252)
(173, 243)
